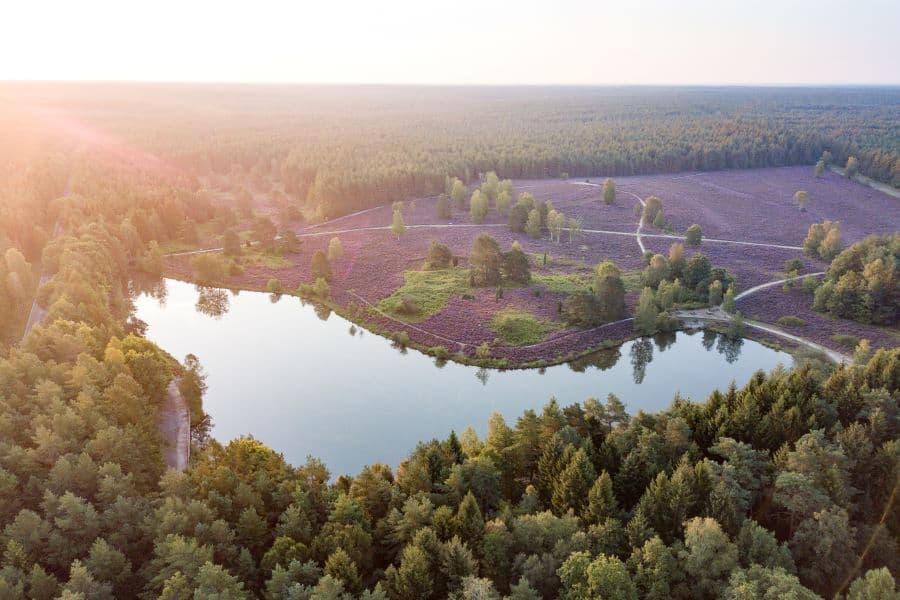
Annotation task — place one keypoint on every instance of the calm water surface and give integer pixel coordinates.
(308, 383)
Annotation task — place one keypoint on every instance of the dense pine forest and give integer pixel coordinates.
(784, 487)
(342, 148)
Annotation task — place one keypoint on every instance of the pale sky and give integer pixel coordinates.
(455, 42)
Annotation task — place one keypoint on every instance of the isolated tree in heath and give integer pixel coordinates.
(320, 267)
(485, 261)
(852, 167)
(694, 235)
(652, 207)
(439, 256)
(609, 191)
(610, 291)
(515, 265)
(398, 225)
(801, 199)
(335, 249)
(820, 168)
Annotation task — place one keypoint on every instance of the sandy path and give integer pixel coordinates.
(716, 314)
(753, 290)
(37, 313)
(175, 427)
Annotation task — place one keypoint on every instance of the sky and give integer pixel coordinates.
(777, 42)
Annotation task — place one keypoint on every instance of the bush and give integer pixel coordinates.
(791, 321)
(483, 351)
(273, 286)
(320, 266)
(407, 305)
(209, 268)
(845, 340)
(694, 235)
(652, 207)
(439, 256)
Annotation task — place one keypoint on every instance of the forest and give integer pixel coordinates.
(784, 487)
(343, 148)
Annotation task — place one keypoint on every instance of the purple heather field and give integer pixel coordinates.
(748, 206)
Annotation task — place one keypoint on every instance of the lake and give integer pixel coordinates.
(306, 382)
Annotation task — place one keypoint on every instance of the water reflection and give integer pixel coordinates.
(212, 302)
(641, 355)
(303, 386)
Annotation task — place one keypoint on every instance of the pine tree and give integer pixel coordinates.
(574, 483)
(601, 502)
(469, 521)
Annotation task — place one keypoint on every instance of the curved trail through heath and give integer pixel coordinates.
(718, 315)
(764, 286)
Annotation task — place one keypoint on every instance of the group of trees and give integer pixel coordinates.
(15, 290)
(489, 266)
(823, 240)
(603, 302)
(862, 282)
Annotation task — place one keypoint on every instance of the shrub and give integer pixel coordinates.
(694, 235)
(609, 191)
(439, 256)
(335, 249)
(483, 351)
(518, 328)
(407, 305)
(273, 286)
(791, 321)
(320, 266)
(810, 284)
(845, 340)
(659, 221)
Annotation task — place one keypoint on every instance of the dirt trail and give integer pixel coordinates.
(764, 286)
(718, 315)
(38, 312)
(175, 426)
(875, 185)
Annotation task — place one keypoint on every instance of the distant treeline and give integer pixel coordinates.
(346, 148)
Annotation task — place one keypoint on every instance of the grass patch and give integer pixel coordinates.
(564, 283)
(428, 291)
(253, 258)
(847, 341)
(519, 328)
(173, 246)
(569, 283)
(791, 321)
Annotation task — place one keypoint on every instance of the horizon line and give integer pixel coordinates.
(457, 84)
